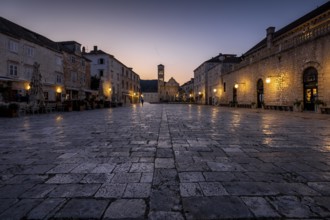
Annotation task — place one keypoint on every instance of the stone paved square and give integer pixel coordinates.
(165, 162)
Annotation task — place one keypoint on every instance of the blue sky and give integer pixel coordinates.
(179, 34)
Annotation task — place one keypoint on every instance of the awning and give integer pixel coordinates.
(5, 78)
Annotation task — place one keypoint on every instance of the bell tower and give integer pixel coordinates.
(160, 81)
(161, 73)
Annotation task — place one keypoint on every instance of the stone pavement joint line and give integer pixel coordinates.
(165, 162)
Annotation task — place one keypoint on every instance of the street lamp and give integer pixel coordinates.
(58, 90)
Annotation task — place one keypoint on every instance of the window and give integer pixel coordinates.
(83, 79)
(100, 73)
(13, 46)
(29, 51)
(58, 61)
(28, 72)
(101, 61)
(46, 96)
(74, 76)
(12, 69)
(73, 59)
(59, 78)
(224, 87)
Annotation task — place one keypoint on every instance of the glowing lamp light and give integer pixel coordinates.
(58, 90)
(190, 95)
(236, 86)
(110, 89)
(214, 90)
(268, 80)
(199, 93)
(28, 87)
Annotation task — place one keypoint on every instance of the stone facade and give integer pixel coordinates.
(76, 72)
(275, 72)
(187, 91)
(17, 56)
(208, 76)
(150, 97)
(119, 82)
(167, 91)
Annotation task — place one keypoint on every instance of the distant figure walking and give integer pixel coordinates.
(142, 101)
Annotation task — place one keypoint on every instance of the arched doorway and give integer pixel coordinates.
(310, 88)
(260, 93)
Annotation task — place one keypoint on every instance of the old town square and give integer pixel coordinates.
(165, 161)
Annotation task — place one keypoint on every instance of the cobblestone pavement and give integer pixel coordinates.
(165, 162)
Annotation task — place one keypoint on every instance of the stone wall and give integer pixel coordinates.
(285, 70)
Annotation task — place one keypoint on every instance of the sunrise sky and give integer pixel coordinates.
(180, 34)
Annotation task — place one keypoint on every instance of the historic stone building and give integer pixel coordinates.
(187, 91)
(167, 91)
(289, 66)
(77, 73)
(208, 76)
(149, 90)
(118, 82)
(20, 48)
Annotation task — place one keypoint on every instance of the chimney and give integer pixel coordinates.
(83, 50)
(270, 36)
(95, 48)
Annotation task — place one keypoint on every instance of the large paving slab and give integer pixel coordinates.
(165, 162)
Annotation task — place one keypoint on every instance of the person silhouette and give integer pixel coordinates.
(142, 101)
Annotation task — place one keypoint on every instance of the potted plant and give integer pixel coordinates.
(318, 103)
(298, 105)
